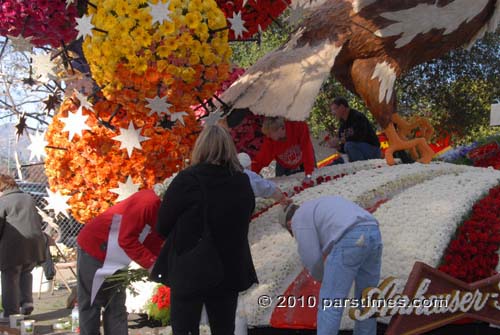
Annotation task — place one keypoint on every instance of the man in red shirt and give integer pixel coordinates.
(125, 232)
(289, 143)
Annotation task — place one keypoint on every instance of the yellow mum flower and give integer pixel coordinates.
(193, 20)
(194, 59)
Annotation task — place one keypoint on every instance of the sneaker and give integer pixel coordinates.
(27, 308)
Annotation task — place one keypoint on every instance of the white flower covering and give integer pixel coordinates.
(273, 249)
(287, 183)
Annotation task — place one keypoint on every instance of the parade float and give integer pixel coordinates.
(441, 214)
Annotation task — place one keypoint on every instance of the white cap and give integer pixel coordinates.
(245, 160)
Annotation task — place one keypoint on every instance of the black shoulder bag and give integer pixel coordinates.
(197, 269)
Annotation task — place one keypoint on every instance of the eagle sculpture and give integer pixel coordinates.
(366, 45)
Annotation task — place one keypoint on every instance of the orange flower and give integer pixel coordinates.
(93, 164)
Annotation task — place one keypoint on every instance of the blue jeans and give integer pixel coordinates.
(361, 151)
(356, 257)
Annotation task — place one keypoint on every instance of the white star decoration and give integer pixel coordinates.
(237, 24)
(69, 2)
(43, 67)
(84, 26)
(130, 138)
(37, 146)
(178, 116)
(213, 118)
(125, 190)
(75, 123)
(160, 12)
(84, 102)
(57, 202)
(158, 105)
(21, 44)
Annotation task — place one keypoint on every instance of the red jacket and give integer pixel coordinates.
(138, 210)
(296, 150)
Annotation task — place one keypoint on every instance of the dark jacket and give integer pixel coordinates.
(21, 236)
(357, 128)
(230, 205)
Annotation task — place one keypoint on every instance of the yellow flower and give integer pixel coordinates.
(208, 58)
(195, 6)
(193, 20)
(194, 59)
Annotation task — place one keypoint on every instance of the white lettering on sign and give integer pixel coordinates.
(421, 304)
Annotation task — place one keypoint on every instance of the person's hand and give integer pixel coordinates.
(307, 180)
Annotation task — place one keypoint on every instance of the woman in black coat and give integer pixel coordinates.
(22, 246)
(230, 202)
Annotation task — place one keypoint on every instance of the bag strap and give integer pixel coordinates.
(206, 228)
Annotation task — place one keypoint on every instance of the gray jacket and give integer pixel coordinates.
(21, 236)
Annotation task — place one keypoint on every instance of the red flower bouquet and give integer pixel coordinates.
(159, 307)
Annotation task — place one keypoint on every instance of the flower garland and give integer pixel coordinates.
(255, 14)
(472, 254)
(159, 307)
(47, 22)
(185, 57)
(90, 165)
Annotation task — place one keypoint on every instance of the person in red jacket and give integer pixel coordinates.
(289, 143)
(108, 243)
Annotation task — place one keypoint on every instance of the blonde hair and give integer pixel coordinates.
(7, 182)
(215, 146)
(271, 124)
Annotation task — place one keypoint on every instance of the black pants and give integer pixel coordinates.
(17, 288)
(185, 313)
(283, 171)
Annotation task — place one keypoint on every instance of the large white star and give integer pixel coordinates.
(57, 202)
(75, 123)
(43, 67)
(237, 24)
(178, 116)
(125, 190)
(84, 26)
(130, 138)
(21, 44)
(158, 105)
(160, 12)
(84, 102)
(37, 146)
(212, 118)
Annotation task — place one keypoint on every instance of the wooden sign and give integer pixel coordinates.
(431, 299)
